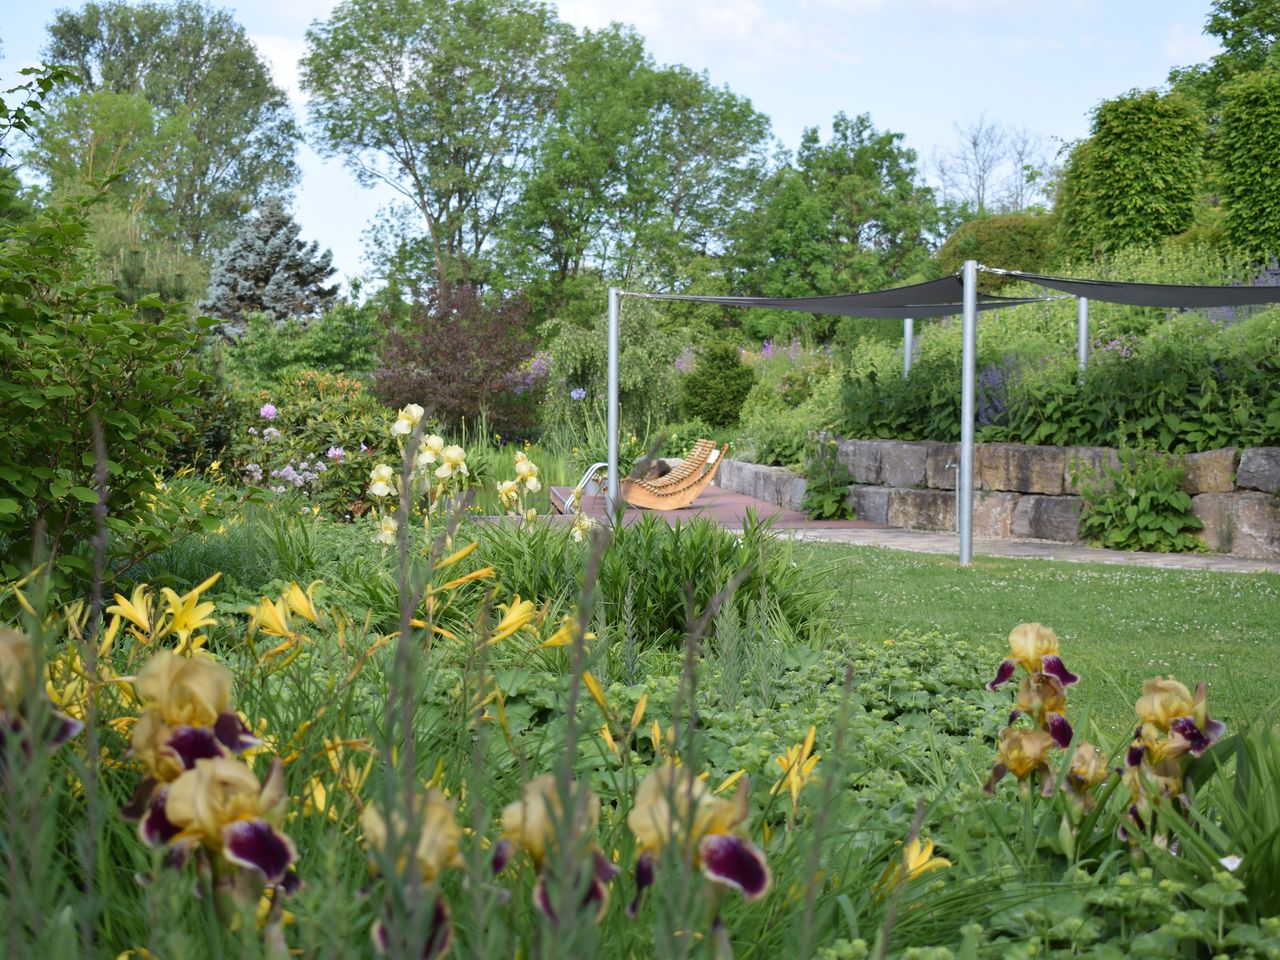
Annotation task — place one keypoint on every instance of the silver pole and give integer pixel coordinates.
(969, 332)
(907, 324)
(1082, 333)
(612, 487)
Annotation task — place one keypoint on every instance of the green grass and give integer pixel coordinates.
(1117, 625)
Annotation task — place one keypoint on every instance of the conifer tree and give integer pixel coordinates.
(266, 268)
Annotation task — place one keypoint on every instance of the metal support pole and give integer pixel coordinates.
(613, 486)
(969, 332)
(1082, 333)
(907, 324)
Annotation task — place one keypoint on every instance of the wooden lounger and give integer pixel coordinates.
(683, 490)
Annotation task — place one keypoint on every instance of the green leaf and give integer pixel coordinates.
(84, 494)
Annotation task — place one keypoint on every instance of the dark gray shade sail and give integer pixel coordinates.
(1154, 294)
(936, 298)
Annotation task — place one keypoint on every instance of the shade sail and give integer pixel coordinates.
(935, 298)
(1153, 294)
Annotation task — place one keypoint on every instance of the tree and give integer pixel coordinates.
(1248, 144)
(1137, 178)
(442, 100)
(638, 174)
(847, 215)
(971, 168)
(228, 135)
(268, 269)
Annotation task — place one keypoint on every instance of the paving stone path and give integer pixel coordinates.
(730, 510)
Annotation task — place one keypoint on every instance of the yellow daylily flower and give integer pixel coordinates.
(303, 604)
(137, 609)
(186, 613)
(516, 615)
(917, 860)
(271, 617)
(797, 767)
(566, 634)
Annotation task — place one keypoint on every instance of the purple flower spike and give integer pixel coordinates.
(1003, 674)
(1053, 666)
(503, 850)
(259, 846)
(195, 743)
(644, 880)
(233, 734)
(736, 863)
(1060, 730)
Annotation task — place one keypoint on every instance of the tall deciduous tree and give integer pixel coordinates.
(1248, 145)
(1138, 176)
(268, 269)
(444, 101)
(233, 133)
(848, 215)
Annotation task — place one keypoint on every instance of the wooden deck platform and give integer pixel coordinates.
(725, 508)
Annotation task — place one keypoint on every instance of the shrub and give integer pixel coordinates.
(577, 381)
(1014, 241)
(1246, 147)
(826, 492)
(1139, 505)
(717, 386)
(70, 351)
(459, 357)
(342, 340)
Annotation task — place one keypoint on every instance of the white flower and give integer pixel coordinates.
(426, 457)
(387, 529)
(454, 462)
(533, 485)
(1232, 863)
(406, 420)
(434, 443)
(381, 479)
(508, 492)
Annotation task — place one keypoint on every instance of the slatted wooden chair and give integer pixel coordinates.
(672, 492)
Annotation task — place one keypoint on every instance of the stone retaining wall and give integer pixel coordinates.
(1024, 491)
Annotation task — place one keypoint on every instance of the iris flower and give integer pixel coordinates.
(530, 824)
(1043, 698)
(406, 420)
(17, 682)
(452, 463)
(436, 850)
(1035, 648)
(1023, 753)
(674, 808)
(1168, 706)
(387, 529)
(1088, 769)
(220, 805)
(382, 480)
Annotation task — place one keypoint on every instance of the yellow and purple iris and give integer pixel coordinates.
(676, 809)
(1088, 769)
(17, 686)
(434, 826)
(1034, 647)
(1024, 753)
(1168, 706)
(532, 824)
(220, 805)
(1043, 698)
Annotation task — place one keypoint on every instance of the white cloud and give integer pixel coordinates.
(1186, 46)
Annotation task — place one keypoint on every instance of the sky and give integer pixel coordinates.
(918, 67)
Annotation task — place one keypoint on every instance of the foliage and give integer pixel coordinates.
(1011, 241)
(70, 352)
(267, 269)
(459, 357)
(849, 214)
(226, 133)
(1136, 179)
(442, 101)
(827, 479)
(313, 433)
(1246, 141)
(343, 339)
(1139, 505)
(577, 381)
(717, 385)
(635, 176)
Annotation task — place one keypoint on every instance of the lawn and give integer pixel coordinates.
(1118, 624)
